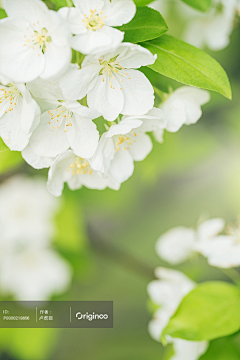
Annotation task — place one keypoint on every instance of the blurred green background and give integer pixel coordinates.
(109, 237)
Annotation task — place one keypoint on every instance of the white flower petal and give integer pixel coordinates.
(87, 5)
(36, 161)
(134, 56)
(158, 324)
(74, 19)
(138, 93)
(58, 173)
(10, 129)
(33, 10)
(210, 228)
(122, 166)
(119, 12)
(97, 42)
(76, 83)
(188, 350)
(35, 274)
(158, 135)
(141, 148)
(83, 136)
(46, 141)
(175, 112)
(45, 89)
(18, 62)
(124, 127)
(31, 112)
(56, 60)
(177, 245)
(104, 154)
(106, 98)
(193, 94)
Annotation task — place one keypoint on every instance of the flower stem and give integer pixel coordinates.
(232, 274)
(160, 93)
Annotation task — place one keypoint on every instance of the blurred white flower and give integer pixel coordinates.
(19, 115)
(183, 106)
(167, 293)
(34, 274)
(26, 212)
(188, 350)
(224, 250)
(213, 28)
(76, 172)
(34, 41)
(91, 22)
(29, 268)
(66, 124)
(125, 143)
(111, 83)
(180, 243)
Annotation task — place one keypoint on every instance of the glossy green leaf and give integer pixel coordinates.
(188, 65)
(222, 349)
(58, 3)
(210, 311)
(142, 2)
(201, 5)
(146, 25)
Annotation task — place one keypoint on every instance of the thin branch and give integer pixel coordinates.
(16, 170)
(116, 254)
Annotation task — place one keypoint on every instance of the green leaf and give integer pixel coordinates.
(188, 65)
(222, 349)
(146, 25)
(2, 13)
(142, 2)
(210, 311)
(58, 3)
(201, 5)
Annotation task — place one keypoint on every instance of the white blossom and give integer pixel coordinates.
(26, 212)
(91, 22)
(214, 28)
(29, 268)
(167, 292)
(183, 106)
(224, 250)
(111, 83)
(125, 143)
(66, 124)
(180, 243)
(34, 41)
(34, 274)
(19, 115)
(76, 172)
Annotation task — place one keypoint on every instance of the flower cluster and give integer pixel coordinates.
(29, 268)
(52, 110)
(166, 293)
(221, 250)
